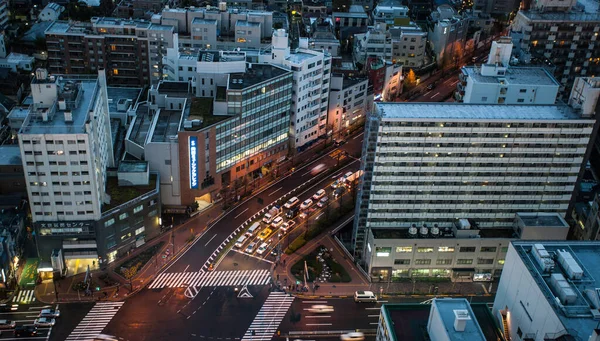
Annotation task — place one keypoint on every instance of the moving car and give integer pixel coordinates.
(250, 247)
(262, 248)
(306, 204)
(339, 142)
(240, 242)
(339, 182)
(277, 222)
(25, 331)
(365, 296)
(354, 336)
(347, 175)
(49, 313)
(252, 230)
(273, 212)
(264, 234)
(320, 193)
(44, 322)
(292, 202)
(317, 169)
(6, 324)
(338, 192)
(323, 202)
(291, 214)
(287, 226)
(321, 309)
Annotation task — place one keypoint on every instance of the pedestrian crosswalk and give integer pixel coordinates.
(24, 297)
(269, 317)
(95, 320)
(211, 279)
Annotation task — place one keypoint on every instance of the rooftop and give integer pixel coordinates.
(447, 309)
(122, 194)
(10, 155)
(84, 89)
(200, 21)
(165, 87)
(409, 321)
(585, 10)
(464, 111)
(300, 57)
(202, 109)
(167, 125)
(116, 94)
(402, 233)
(514, 75)
(133, 166)
(541, 219)
(141, 125)
(255, 74)
(247, 23)
(577, 314)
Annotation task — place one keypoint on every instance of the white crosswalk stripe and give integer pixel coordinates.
(24, 297)
(269, 317)
(94, 322)
(211, 279)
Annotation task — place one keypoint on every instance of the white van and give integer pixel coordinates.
(292, 202)
(252, 230)
(364, 296)
(240, 242)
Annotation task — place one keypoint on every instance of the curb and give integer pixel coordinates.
(392, 296)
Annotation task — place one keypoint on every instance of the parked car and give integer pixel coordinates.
(323, 202)
(306, 204)
(44, 322)
(49, 313)
(262, 248)
(339, 142)
(250, 247)
(320, 193)
(25, 331)
(287, 226)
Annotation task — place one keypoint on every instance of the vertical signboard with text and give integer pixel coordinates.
(193, 145)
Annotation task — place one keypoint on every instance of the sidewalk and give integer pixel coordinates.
(360, 282)
(117, 288)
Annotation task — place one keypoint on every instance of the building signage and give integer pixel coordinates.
(193, 144)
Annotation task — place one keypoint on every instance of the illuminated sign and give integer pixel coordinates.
(193, 143)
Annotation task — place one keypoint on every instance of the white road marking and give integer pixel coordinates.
(211, 279)
(94, 322)
(357, 136)
(240, 214)
(437, 93)
(213, 237)
(315, 302)
(318, 316)
(275, 191)
(318, 324)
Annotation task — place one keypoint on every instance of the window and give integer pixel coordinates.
(402, 261)
(504, 249)
(424, 249)
(152, 213)
(520, 100)
(484, 99)
(464, 261)
(445, 248)
(403, 249)
(485, 261)
(488, 249)
(443, 261)
(422, 261)
(383, 251)
(500, 261)
(467, 249)
(126, 236)
(140, 230)
(109, 222)
(138, 209)
(123, 216)
(522, 90)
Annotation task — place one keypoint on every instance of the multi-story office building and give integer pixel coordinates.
(129, 50)
(349, 103)
(4, 11)
(389, 14)
(219, 28)
(447, 35)
(356, 20)
(211, 147)
(496, 81)
(463, 252)
(496, 6)
(385, 78)
(322, 38)
(437, 162)
(547, 291)
(312, 71)
(564, 34)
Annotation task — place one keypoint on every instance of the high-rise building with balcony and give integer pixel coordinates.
(563, 34)
(130, 51)
(434, 162)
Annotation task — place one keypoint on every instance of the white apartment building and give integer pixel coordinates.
(463, 252)
(66, 147)
(218, 28)
(496, 81)
(437, 162)
(312, 71)
(349, 103)
(548, 291)
(51, 12)
(389, 14)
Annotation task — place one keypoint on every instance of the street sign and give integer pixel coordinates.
(244, 293)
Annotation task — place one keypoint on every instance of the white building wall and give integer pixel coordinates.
(490, 93)
(528, 308)
(156, 154)
(435, 326)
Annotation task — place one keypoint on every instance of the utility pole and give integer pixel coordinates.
(173, 241)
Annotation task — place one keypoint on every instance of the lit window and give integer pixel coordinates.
(383, 251)
(109, 222)
(445, 249)
(123, 216)
(138, 209)
(403, 249)
(424, 249)
(115, 72)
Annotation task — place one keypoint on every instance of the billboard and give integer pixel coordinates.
(193, 156)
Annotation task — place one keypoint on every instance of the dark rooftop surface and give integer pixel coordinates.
(174, 87)
(351, 81)
(116, 94)
(543, 220)
(167, 125)
(122, 194)
(133, 166)
(202, 108)
(410, 321)
(255, 73)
